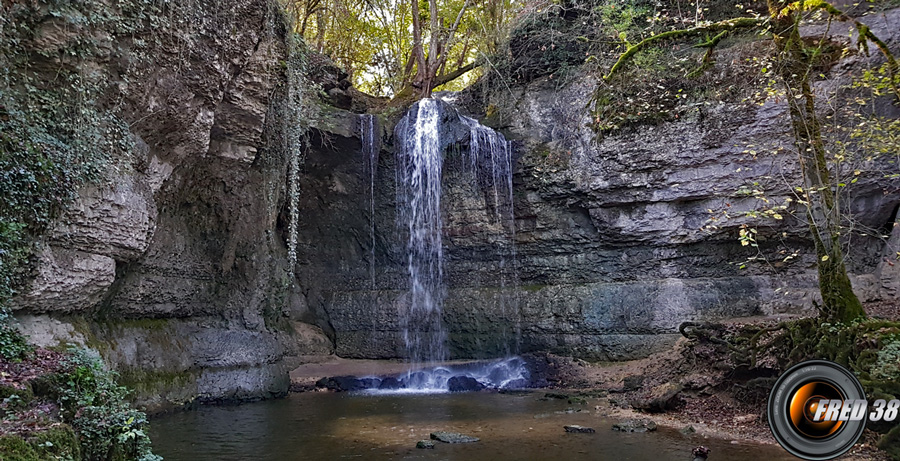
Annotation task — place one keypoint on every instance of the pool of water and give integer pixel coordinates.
(326, 426)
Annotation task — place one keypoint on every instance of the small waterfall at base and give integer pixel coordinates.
(420, 162)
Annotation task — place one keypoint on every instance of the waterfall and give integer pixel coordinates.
(420, 163)
(491, 159)
(370, 151)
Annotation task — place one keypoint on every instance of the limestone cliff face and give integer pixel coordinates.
(176, 268)
(615, 242)
(172, 267)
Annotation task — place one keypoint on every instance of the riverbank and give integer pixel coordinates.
(695, 387)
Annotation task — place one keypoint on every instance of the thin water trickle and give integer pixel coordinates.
(370, 151)
(488, 147)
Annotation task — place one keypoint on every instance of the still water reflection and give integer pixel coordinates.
(326, 426)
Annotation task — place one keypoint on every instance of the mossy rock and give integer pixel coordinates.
(47, 385)
(58, 442)
(890, 443)
(15, 448)
(25, 393)
(63, 442)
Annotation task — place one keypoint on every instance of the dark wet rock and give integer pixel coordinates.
(390, 384)
(452, 437)
(688, 430)
(515, 392)
(520, 383)
(414, 379)
(555, 395)
(700, 453)
(348, 383)
(569, 411)
(635, 425)
(464, 384)
(661, 398)
(546, 370)
(425, 444)
(632, 383)
(302, 387)
(579, 429)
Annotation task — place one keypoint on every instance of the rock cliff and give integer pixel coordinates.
(618, 239)
(172, 265)
(176, 265)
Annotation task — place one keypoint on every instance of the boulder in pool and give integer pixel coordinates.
(464, 384)
(390, 384)
(425, 444)
(635, 425)
(579, 429)
(348, 383)
(452, 437)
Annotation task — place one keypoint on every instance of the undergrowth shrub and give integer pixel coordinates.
(13, 345)
(91, 401)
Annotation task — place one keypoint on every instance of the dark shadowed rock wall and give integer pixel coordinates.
(615, 245)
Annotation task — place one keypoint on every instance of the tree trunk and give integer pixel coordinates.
(840, 304)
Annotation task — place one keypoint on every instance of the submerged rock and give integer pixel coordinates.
(520, 383)
(452, 437)
(635, 425)
(464, 384)
(700, 453)
(390, 384)
(688, 430)
(425, 444)
(579, 429)
(348, 383)
(514, 391)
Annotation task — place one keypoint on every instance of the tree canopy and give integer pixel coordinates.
(390, 46)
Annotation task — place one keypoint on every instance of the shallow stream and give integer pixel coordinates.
(328, 426)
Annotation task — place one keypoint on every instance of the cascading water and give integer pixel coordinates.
(370, 151)
(491, 159)
(420, 163)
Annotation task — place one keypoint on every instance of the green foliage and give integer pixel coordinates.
(890, 443)
(371, 39)
(13, 345)
(887, 364)
(97, 407)
(623, 19)
(56, 443)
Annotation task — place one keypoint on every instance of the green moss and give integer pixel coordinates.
(25, 394)
(150, 383)
(890, 443)
(148, 324)
(59, 441)
(56, 443)
(15, 448)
